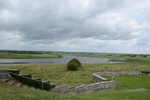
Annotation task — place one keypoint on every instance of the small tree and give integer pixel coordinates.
(73, 65)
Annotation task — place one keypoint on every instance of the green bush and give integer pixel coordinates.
(73, 65)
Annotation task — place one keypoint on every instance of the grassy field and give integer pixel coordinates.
(57, 73)
(26, 56)
(9, 92)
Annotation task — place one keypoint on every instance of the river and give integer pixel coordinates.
(64, 60)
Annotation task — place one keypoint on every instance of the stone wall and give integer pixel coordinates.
(98, 78)
(4, 75)
(82, 89)
(118, 73)
(100, 83)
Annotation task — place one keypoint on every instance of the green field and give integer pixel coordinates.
(8, 55)
(58, 74)
(9, 92)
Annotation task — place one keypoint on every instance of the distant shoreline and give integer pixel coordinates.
(22, 55)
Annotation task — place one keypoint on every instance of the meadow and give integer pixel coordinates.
(8, 92)
(58, 74)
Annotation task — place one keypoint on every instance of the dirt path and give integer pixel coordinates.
(139, 89)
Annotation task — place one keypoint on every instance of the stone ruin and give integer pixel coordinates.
(4, 75)
(99, 83)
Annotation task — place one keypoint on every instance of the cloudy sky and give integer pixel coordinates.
(110, 26)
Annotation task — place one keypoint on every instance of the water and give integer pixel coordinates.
(66, 59)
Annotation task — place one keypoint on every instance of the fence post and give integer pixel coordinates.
(42, 85)
(1, 75)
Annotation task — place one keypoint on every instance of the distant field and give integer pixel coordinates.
(112, 55)
(26, 56)
(137, 59)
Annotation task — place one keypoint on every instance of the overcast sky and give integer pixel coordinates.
(110, 26)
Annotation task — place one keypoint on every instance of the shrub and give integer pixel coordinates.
(73, 65)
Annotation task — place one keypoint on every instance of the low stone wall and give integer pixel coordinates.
(98, 78)
(4, 75)
(100, 83)
(118, 73)
(82, 89)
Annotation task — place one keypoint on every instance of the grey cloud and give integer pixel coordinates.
(52, 17)
(49, 21)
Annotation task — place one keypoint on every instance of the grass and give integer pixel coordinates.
(131, 82)
(111, 55)
(9, 92)
(26, 56)
(58, 74)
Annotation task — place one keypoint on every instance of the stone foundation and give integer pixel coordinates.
(82, 89)
(98, 78)
(4, 75)
(100, 84)
(117, 73)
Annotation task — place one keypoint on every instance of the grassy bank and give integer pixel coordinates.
(6, 55)
(9, 92)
